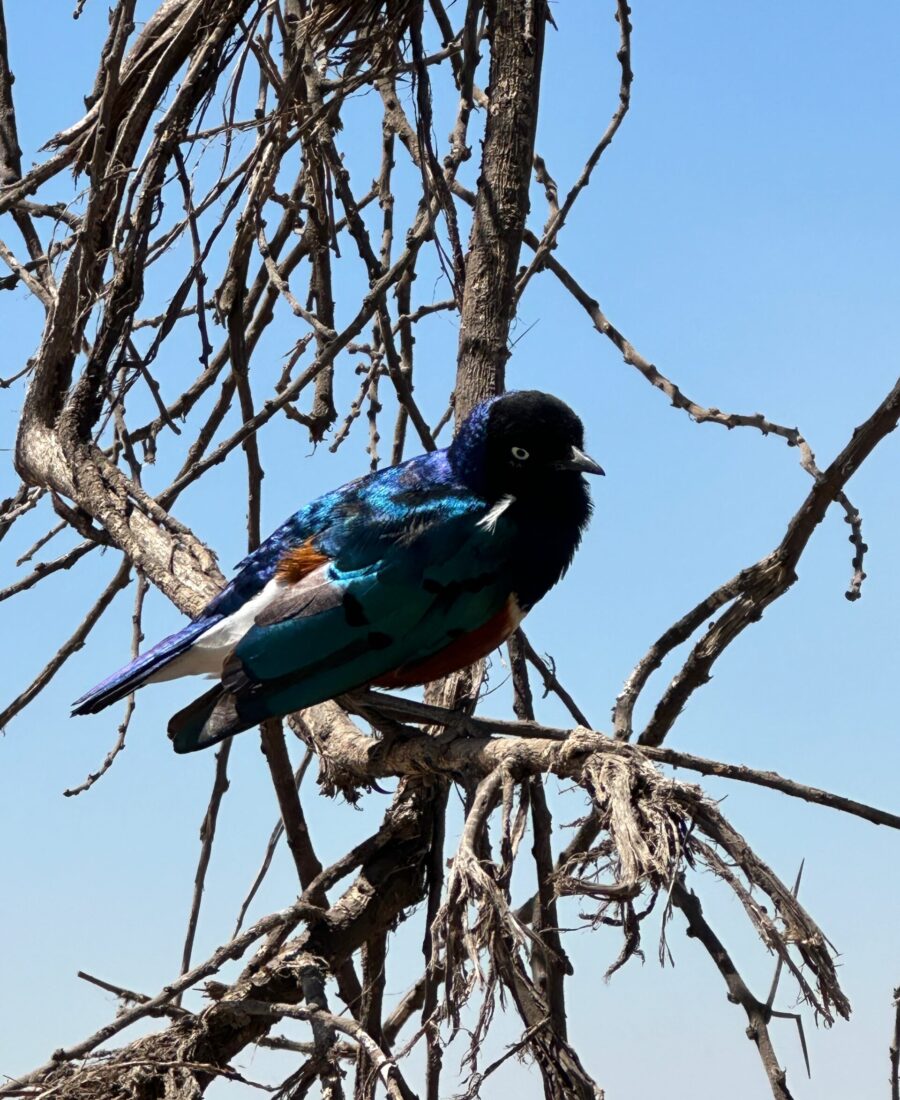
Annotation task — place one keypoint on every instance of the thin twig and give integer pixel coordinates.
(757, 1016)
(559, 215)
(895, 1049)
(702, 415)
(137, 636)
(70, 646)
(207, 836)
(275, 836)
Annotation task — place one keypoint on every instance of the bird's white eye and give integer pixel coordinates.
(520, 453)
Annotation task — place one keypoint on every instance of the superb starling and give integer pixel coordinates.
(397, 578)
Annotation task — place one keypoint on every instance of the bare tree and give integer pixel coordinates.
(220, 123)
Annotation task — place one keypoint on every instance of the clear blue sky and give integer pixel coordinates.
(743, 232)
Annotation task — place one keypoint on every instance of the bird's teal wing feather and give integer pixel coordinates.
(392, 592)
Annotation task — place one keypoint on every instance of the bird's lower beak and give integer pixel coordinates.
(581, 462)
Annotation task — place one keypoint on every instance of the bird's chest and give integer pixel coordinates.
(540, 551)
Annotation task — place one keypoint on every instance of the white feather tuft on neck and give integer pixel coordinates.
(489, 521)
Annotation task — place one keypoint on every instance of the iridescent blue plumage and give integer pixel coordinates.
(371, 506)
(395, 578)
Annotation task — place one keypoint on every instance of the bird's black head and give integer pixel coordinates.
(521, 444)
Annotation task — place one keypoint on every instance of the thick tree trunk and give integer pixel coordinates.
(516, 32)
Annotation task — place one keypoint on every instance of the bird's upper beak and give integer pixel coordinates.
(581, 462)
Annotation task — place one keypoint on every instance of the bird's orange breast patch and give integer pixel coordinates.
(296, 563)
(458, 653)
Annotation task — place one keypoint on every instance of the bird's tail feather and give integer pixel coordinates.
(207, 721)
(124, 681)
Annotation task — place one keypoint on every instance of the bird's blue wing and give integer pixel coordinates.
(405, 573)
(353, 520)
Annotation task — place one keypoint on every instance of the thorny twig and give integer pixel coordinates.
(758, 1017)
(137, 636)
(560, 213)
(207, 836)
(702, 415)
(276, 835)
(895, 1049)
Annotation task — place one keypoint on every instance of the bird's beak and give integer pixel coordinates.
(581, 462)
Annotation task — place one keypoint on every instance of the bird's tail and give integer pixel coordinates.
(208, 720)
(140, 670)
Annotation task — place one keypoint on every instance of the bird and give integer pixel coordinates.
(397, 578)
